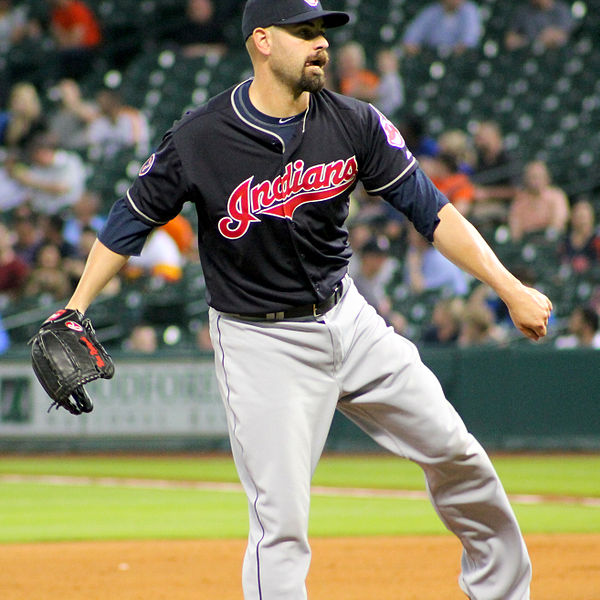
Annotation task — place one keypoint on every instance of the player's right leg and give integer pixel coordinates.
(279, 399)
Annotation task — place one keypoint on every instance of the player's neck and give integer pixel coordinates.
(273, 99)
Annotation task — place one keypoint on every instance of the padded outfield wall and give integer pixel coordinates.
(526, 397)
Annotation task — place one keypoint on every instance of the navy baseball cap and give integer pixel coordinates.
(264, 13)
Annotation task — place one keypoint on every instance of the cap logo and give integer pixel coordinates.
(313, 3)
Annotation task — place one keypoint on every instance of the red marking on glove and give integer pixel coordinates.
(93, 351)
(56, 315)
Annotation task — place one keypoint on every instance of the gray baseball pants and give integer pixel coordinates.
(281, 382)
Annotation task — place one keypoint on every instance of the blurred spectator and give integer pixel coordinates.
(23, 119)
(4, 338)
(580, 247)
(117, 126)
(390, 91)
(428, 269)
(447, 25)
(538, 206)
(142, 339)
(103, 127)
(354, 78)
(52, 231)
(493, 174)
(414, 132)
(456, 186)
(457, 144)
(477, 327)
(48, 277)
(445, 322)
(77, 35)
(12, 194)
(84, 215)
(28, 235)
(545, 22)
(582, 330)
(160, 258)
(54, 178)
(68, 122)
(13, 269)
(200, 32)
(13, 24)
(74, 265)
(372, 270)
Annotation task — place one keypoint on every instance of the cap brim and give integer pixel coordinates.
(331, 18)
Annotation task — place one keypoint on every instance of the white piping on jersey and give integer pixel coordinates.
(239, 114)
(137, 210)
(379, 189)
(306, 114)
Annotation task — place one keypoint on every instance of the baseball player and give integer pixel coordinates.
(269, 166)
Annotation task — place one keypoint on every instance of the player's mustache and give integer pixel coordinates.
(320, 59)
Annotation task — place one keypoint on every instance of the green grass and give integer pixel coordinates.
(189, 468)
(35, 511)
(573, 475)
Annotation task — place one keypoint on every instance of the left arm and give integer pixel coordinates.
(461, 243)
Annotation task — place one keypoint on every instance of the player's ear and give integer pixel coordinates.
(262, 39)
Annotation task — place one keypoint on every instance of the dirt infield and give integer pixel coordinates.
(566, 567)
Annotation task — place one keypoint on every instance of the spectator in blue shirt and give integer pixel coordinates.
(426, 268)
(545, 22)
(453, 25)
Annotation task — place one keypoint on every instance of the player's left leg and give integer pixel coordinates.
(396, 399)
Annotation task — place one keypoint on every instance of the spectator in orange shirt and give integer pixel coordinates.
(77, 34)
(354, 78)
(444, 171)
(180, 229)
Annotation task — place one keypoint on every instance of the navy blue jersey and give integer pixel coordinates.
(271, 209)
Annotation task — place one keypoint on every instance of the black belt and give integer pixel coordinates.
(307, 310)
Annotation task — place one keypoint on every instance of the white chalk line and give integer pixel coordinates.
(216, 486)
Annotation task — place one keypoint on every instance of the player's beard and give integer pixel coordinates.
(309, 80)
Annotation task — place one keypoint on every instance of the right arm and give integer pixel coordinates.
(101, 266)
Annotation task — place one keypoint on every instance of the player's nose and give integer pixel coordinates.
(321, 42)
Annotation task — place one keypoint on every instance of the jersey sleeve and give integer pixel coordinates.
(419, 200)
(123, 232)
(386, 161)
(159, 192)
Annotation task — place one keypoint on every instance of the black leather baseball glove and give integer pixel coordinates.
(66, 355)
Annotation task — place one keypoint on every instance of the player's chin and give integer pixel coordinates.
(313, 80)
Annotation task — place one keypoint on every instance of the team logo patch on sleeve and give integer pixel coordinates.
(147, 165)
(394, 137)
